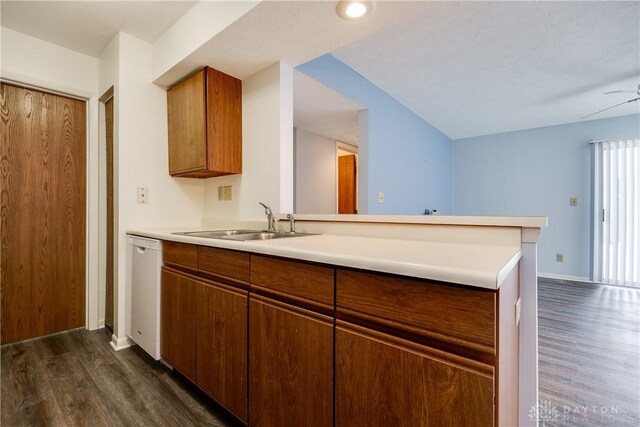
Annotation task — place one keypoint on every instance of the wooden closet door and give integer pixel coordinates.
(42, 206)
(347, 184)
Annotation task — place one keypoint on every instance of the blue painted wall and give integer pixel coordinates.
(535, 172)
(406, 158)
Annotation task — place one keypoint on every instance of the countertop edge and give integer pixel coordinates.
(465, 277)
(487, 221)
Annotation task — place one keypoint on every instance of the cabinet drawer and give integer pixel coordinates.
(224, 262)
(182, 254)
(462, 316)
(309, 282)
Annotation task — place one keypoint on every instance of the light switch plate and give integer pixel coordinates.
(573, 201)
(220, 193)
(380, 197)
(143, 195)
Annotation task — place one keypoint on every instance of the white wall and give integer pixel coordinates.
(141, 160)
(37, 62)
(267, 150)
(28, 60)
(107, 77)
(315, 175)
(173, 49)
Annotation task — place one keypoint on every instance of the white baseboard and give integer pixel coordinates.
(101, 324)
(120, 343)
(563, 277)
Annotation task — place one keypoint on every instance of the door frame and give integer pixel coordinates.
(92, 197)
(102, 300)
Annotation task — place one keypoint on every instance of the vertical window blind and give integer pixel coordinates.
(617, 200)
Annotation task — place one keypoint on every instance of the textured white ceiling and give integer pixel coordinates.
(468, 68)
(88, 26)
(474, 68)
(320, 110)
(290, 31)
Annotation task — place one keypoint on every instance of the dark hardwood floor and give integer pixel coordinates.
(589, 364)
(589, 353)
(76, 379)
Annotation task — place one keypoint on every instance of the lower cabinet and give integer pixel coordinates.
(389, 351)
(221, 358)
(204, 336)
(178, 322)
(382, 383)
(290, 365)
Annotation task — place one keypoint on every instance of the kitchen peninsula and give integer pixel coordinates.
(412, 320)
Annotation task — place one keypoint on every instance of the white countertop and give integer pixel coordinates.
(478, 265)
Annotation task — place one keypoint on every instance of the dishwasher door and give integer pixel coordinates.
(143, 326)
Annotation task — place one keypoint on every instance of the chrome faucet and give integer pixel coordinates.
(271, 220)
(292, 223)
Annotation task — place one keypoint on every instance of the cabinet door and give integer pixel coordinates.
(224, 122)
(290, 366)
(221, 362)
(187, 125)
(178, 322)
(380, 383)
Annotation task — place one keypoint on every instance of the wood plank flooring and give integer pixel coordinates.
(76, 379)
(589, 363)
(589, 353)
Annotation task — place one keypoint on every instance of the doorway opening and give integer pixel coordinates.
(347, 178)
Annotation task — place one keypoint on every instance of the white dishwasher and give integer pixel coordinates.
(143, 293)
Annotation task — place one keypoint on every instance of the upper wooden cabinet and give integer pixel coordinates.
(205, 125)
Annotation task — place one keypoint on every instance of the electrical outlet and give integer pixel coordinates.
(560, 257)
(380, 197)
(227, 192)
(220, 193)
(143, 195)
(573, 201)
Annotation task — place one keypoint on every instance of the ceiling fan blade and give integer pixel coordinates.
(620, 91)
(608, 108)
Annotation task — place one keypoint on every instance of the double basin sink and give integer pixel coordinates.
(242, 235)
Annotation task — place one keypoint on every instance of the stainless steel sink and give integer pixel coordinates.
(215, 234)
(242, 235)
(264, 235)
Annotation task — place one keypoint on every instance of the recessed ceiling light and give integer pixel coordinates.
(351, 10)
(355, 10)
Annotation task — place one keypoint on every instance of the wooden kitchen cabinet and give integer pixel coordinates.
(290, 365)
(221, 358)
(205, 125)
(427, 353)
(178, 322)
(283, 342)
(383, 381)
